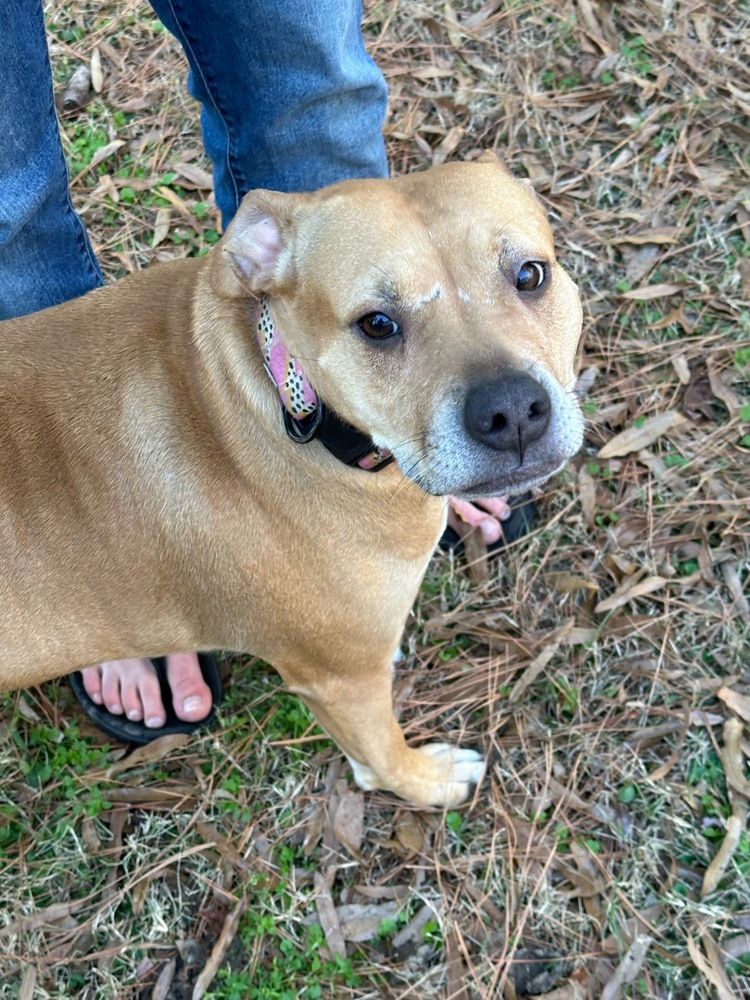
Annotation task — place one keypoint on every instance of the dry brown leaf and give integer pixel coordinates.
(28, 983)
(639, 589)
(587, 493)
(455, 969)
(202, 179)
(723, 856)
(660, 235)
(329, 919)
(739, 703)
(728, 397)
(163, 985)
(571, 991)
(634, 438)
(151, 752)
(733, 759)
(161, 226)
(629, 967)
(361, 921)
(413, 929)
(540, 661)
(349, 821)
(104, 152)
(567, 583)
(409, 832)
(447, 145)
(699, 397)
(174, 199)
(219, 950)
(712, 968)
(646, 292)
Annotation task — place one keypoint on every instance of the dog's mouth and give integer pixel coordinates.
(502, 483)
(508, 484)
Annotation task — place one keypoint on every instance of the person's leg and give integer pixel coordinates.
(45, 254)
(290, 99)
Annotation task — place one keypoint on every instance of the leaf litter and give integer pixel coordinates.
(611, 826)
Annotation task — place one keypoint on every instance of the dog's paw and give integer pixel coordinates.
(436, 774)
(456, 772)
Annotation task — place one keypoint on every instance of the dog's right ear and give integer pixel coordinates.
(254, 257)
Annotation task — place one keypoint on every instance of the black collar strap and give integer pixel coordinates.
(344, 442)
(312, 419)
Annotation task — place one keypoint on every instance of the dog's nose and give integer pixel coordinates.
(509, 413)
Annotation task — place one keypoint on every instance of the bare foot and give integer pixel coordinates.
(131, 688)
(486, 514)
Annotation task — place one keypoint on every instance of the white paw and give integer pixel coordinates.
(363, 775)
(461, 770)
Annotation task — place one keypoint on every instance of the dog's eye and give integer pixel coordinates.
(531, 276)
(378, 326)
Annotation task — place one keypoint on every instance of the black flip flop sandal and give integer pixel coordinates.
(518, 524)
(119, 727)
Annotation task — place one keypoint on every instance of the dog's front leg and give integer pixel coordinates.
(355, 708)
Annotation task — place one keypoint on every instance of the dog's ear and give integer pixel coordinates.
(254, 256)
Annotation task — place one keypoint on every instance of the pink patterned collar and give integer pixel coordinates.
(305, 415)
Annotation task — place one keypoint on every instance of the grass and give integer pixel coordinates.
(612, 780)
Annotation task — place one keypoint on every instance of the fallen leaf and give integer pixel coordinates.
(646, 292)
(712, 968)
(587, 493)
(409, 832)
(219, 950)
(739, 703)
(196, 175)
(349, 820)
(733, 760)
(567, 583)
(328, 915)
(361, 921)
(163, 984)
(634, 438)
(639, 589)
(662, 234)
(161, 226)
(724, 855)
(103, 152)
(628, 969)
(540, 661)
(699, 398)
(97, 76)
(728, 397)
(156, 750)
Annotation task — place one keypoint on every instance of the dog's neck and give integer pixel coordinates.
(306, 417)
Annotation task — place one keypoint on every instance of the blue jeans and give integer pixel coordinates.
(290, 101)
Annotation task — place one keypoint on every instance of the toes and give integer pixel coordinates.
(92, 683)
(111, 677)
(464, 517)
(141, 693)
(191, 695)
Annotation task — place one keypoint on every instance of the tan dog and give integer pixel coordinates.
(151, 501)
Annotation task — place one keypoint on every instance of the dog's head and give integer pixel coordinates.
(429, 311)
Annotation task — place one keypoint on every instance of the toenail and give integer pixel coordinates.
(155, 721)
(96, 697)
(134, 714)
(191, 704)
(489, 531)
